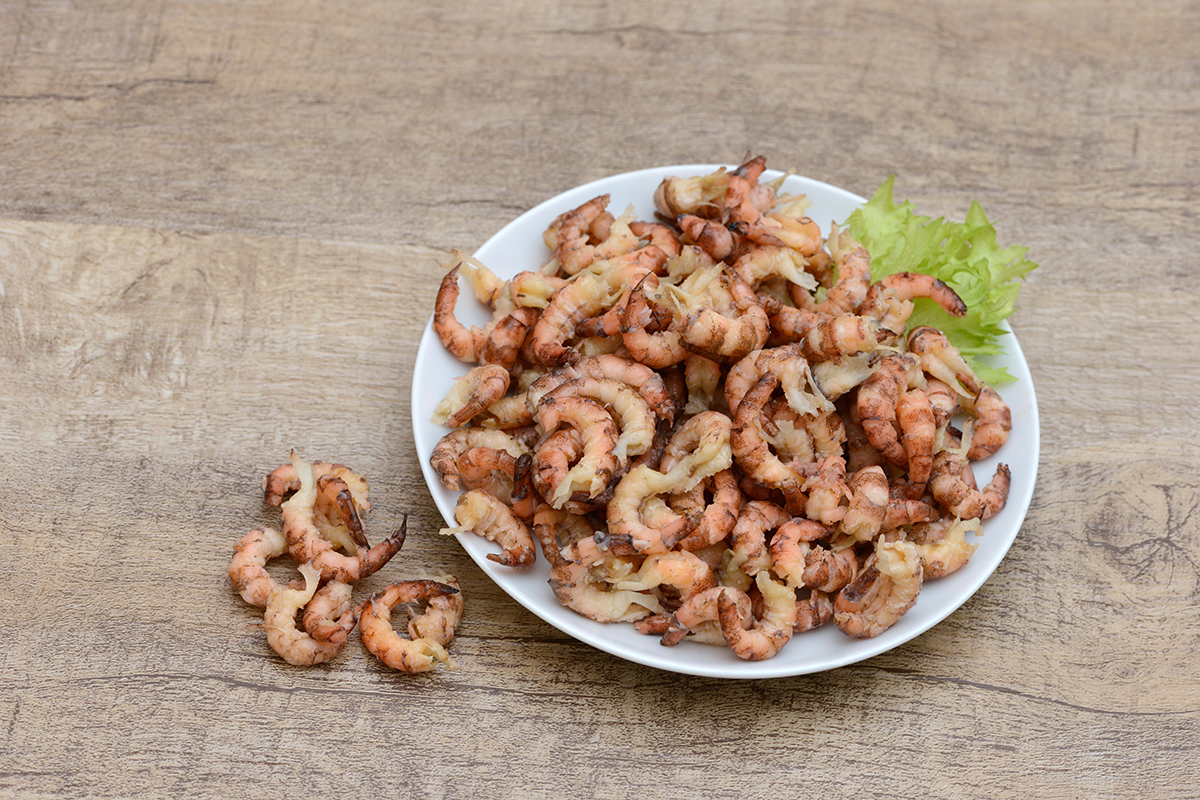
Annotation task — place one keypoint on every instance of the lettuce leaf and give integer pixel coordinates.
(963, 254)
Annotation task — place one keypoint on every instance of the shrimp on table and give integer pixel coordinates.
(884, 590)
(247, 570)
(442, 614)
(293, 644)
(307, 545)
(380, 637)
(330, 614)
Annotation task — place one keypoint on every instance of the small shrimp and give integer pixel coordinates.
(247, 570)
(657, 350)
(748, 539)
(636, 421)
(648, 383)
(827, 494)
(829, 569)
(701, 608)
(902, 512)
(382, 640)
(860, 453)
(482, 514)
(703, 377)
(279, 620)
(684, 572)
(943, 400)
(869, 497)
(788, 323)
(993, 421)
(450, 448)
(751, 449)
(573, 230)
(717, 517)
(579, 581)
(700, 195)
(307, 545)
(853, 282)
(800, 233)
(283, 480)
(884, 590)
(952, 492)
(942, 545)
(598, 464)
(755, 639)
(763, 263)
(838, 337)
(911, 285)
(941, 360)
(657, 234)
(471, 395)
(878, 397)
(918, 430)
(460, 341)
(330, 614)
(711, 236)
(812, 611)
(441, 617)
(725, 323)
(790, 547)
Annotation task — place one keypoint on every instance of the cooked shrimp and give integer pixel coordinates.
(860, 453)
(878, 397)
(750, 447)
(725, 322)
(941, 359)
(657, 234)
(943, 400)
(648, 383)
(868, 504)
(382, 640)
(717, 517)
(684, 572)
(748, 539)
(827, 494)
(829, 569)
(329, 615)
(247, 570)
(703, 377)
(459, 340)
(711, 236)
(441, 617)
(953, 493)
(790, 547)
(812, 611)
(656, 349)
(764, 263)
(579, 581)
(307, 545)
(598, 463)
(700, 195)
(636, 421)
(702, 608)
(847, 295)
(572, 249)
(279, 620)
(471, 395)
(885, 589)
(450, 448)
(914, 413)
(993, 421)
(755, 639)
(482, 514)
(943, 546)
(502, 343)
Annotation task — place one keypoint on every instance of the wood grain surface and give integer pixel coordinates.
(220, 226)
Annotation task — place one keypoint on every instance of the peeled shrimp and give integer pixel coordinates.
(682, 571)
(993, 421)
(950, 488)
(450, 448)
(482, 514)
(790, 547)
(293, 644)
(441, 617)
(247, 570)
(914, 413)
(748, 539)
(307, 545)
(943, 546)
(878, 397)
(883, 592)
(755, 639)
(869, 497)
(330, 614)
(382, 640)
(598, 464)
(579, 581)
(701, 608)
(471, 395)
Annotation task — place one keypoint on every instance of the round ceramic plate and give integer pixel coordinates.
(519, 246)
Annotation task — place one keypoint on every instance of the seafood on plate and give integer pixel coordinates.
(726, 429)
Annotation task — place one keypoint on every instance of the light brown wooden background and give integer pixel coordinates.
(219, 226)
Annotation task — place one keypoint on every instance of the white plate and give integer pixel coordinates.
(518, 246)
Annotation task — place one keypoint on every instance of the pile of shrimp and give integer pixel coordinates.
(322, 530)
(714, 424)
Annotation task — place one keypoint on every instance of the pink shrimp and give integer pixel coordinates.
(382, 640)
(952, 491)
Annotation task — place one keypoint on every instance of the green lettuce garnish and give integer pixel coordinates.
(963, 254)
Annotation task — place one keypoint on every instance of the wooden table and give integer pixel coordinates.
(220, 227)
